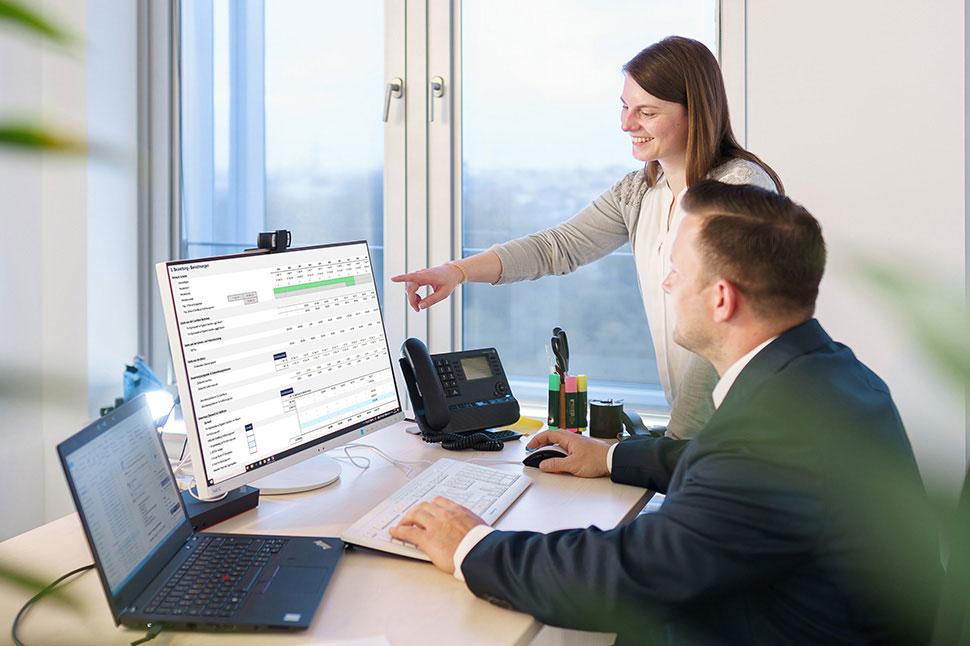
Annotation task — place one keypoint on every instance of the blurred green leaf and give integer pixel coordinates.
(21, 16)
(937, 314)
(36, 137)
(31, 583)
(24, 135)
(29, 136)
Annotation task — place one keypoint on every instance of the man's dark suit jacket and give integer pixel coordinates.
(795, 516)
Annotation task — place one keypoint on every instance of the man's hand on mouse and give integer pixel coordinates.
(586, 459)
(437, 528)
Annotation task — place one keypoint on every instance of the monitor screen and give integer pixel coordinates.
(278, 357)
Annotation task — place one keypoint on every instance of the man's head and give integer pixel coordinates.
(742, 247)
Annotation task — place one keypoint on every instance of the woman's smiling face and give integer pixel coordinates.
(658, 128)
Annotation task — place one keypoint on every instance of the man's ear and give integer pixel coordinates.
(725, 296)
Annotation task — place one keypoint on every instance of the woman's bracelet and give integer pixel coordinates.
(464, 276)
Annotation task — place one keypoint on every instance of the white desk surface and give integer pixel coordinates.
(371, 594)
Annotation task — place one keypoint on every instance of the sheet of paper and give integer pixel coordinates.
(524, 425)
(379, 640)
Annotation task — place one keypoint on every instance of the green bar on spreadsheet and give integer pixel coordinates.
(349, 280)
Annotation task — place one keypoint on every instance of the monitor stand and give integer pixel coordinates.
(310, 474)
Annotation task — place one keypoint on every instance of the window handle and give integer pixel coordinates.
(394, 89)
(436, 89)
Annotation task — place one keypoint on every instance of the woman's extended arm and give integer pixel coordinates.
(594, 232)
(484, 267)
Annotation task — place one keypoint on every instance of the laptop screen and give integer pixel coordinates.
(124, 491)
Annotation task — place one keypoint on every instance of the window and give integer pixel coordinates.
(273, 134)
(280, 111)
(540, 140)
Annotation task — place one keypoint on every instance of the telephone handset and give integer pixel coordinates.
(633, 424)
(458, 392)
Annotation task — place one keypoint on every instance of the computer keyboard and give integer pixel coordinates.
(216, 579)
(486, 491)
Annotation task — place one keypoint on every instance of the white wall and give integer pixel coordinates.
(67, 232)
(860, 108)
(20, 336)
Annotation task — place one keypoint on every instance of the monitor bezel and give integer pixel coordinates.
(312, 449)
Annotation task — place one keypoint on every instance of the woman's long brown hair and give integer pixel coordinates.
(684, 71)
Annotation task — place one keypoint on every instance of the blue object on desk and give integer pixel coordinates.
(139, 378)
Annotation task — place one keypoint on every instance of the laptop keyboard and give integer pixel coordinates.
(216, 578)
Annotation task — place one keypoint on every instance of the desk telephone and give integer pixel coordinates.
(458, 393)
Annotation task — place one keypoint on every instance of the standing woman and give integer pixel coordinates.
(675, 110)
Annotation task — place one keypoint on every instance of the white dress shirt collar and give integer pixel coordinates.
(727, 379)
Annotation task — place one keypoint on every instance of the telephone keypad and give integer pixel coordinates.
(446, 375)
(451, 374)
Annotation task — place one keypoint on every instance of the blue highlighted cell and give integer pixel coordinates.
(343, 412)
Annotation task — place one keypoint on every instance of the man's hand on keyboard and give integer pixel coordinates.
(437, 527)
(586, 459)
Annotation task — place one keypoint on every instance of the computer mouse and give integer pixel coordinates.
(544, 453)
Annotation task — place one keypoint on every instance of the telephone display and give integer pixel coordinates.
(476, 367)
(457, 392)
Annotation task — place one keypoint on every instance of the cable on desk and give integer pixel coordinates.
(160, 425)
(163, 420)
(178, 466)
(195, 494)
(401, 464)
(34, 599)
(153, 630)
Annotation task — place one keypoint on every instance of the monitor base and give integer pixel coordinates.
(307, 475)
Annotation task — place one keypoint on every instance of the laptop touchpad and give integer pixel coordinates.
(297, 580)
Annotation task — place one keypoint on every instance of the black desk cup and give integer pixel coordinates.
(605, 418)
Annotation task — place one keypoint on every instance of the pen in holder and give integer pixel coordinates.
(567, 402)
(567, 395)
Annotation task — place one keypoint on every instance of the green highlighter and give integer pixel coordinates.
(555, 417)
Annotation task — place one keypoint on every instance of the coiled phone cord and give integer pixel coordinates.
(480, 441)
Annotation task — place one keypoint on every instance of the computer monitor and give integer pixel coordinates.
(278, 357)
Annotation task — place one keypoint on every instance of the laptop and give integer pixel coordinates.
(154, 568)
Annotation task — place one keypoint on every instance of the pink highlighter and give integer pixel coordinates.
(570, 419)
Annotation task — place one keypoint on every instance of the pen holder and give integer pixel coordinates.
(567, 403)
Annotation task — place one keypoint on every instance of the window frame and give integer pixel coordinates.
(422, 174)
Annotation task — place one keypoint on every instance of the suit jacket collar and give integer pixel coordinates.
(791, 344)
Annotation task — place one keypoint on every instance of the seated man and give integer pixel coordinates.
(795, 516)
